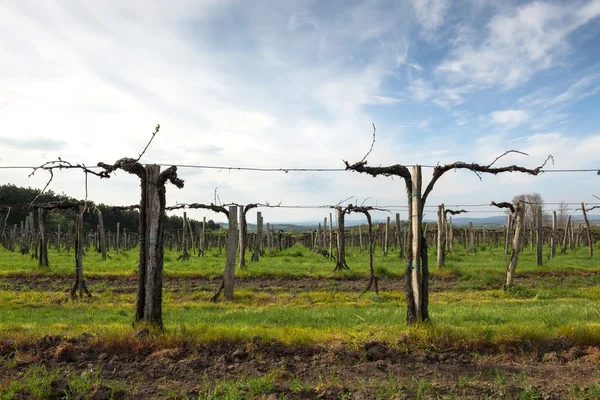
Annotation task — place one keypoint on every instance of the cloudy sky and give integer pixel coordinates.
(298, 84)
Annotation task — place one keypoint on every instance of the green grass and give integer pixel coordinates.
(478, 269)
(477, 318)
(559, 298)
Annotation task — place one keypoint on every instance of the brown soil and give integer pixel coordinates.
(128, 284)
(556, 371)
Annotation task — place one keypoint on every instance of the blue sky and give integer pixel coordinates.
(298, 84)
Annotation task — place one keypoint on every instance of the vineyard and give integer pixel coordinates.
(508, 311)
(179, 308)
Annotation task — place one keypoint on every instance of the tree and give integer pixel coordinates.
(563, 213)
(531, 201)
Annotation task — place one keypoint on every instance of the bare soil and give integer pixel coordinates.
(128, 283)
(400, 370)
(555, 371)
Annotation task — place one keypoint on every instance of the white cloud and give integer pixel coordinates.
(430, 13)
(509, 118)
(231, 85)
(586, 86)
(519, 43)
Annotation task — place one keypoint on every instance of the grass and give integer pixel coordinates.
(472, 311)
(468, 309)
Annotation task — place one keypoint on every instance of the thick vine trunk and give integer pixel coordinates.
(441, 238)
(43, 245)
(516, 244)
(242, 230)
(589, 234)
(152, 223)
(184, 238)
(340, 263)
(79, 281)
(540, 237)
(416, 223)
(232, 244)
(102, 236)
(373, 279)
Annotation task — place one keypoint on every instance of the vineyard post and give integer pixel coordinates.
(118, 238)
(508, 231)
(58, 238)
(387, 234)
(589, 234)
(540, 236)
(102, 237)
(232, 242)
(441, 239)
(360, 239)
(450, 236)
(471, 238)
(553, 238)
(43, 245)
(184, 239)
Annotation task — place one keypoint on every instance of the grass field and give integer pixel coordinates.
(293, 298)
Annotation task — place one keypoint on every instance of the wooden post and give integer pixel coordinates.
(102, 236)
(360, 239)
(184, 238)
(324, 232)
(118, 238)
(441, 240)
(341, 242)
(572, 235)
(152, 226)
(450, 236)
(43, 253)
(540, 236)
(257, 252)
(232, 242)
(330, 236)
(399, 236)
(78, 248)
(34, 237)
(589, 234)
(512, 264)
(69, 236)
(471, 238)
(58, 238)
(416, 221)
(219, 243)
(242, 237)
(203, 246)
(270, 237)
(386, 242)
(553, 238)
(508, 230)
(79, 283)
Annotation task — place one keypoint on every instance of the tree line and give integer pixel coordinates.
(11, 195)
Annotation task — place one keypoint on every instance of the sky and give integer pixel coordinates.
(294, 84)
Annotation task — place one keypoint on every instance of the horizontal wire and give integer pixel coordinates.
(280, 169)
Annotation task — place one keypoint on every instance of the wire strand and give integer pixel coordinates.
(280, 169)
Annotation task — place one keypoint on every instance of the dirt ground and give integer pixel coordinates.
(128, 284)
(557, 370)
(552, 372)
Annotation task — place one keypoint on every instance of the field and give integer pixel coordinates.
(297, 330)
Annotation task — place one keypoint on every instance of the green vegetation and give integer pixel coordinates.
(560, 298)
(295, 298)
